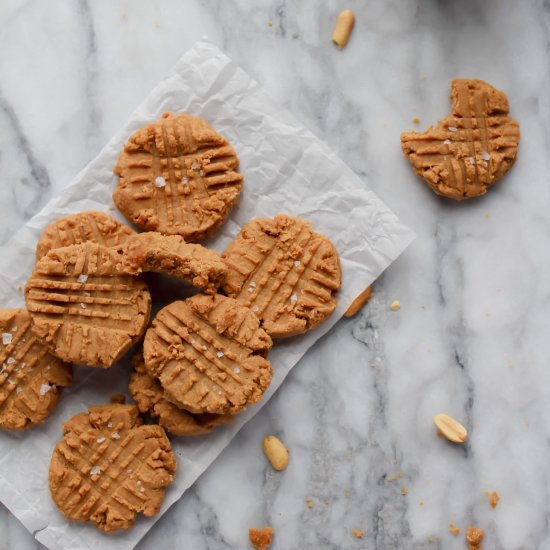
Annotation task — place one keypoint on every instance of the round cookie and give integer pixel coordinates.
(285, 273)
(109, 467)
(148, 394)
(178, 176)
(470, 150)
(192, 263)
(30, 378)
(83, 307)
(93, 226)
(209, 354)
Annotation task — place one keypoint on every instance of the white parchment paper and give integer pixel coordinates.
(286, 169)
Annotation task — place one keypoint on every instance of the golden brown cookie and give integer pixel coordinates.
(285, 273)
(30, 378)
(178, 176)
(209, 354)
(148, 394)
(193, 263)
(93, 226)
(83, 306)
(469, 150)
(108, 467)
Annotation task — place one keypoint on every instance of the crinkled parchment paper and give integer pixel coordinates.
(286, 169)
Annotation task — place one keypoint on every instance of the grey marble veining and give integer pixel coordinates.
(471, 338)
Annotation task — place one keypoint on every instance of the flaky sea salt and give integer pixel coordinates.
(82, 278)
(447, 142)
(115, 435)
(14, 329)
(255, 308)
(6, 338)
(485, 155)
(485, 164)
(472, 160)
(204, 347)
(236, 370)
(253, 284)
(100, 439)
(160, 181)
(18, 390)
(193, 341)
(185, 180)
(44, 389)
(453, 128)
(82, 305)
(294, 298)
(95, 471)
(194, 165)
(110, 425)
(201, 173)
(10, 361)
(220, 353)
(297, 263)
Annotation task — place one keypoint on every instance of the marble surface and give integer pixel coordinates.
(471, 336)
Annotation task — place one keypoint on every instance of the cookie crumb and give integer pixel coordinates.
(474, 537)
(395, 305)
(416, 120)
(119, 398)
(420, 503)
(357, 533)
(260, 539)
(394, 476)
(404, 491)
(309, 502)
(454, 529)
(493, 497)
(346, 493)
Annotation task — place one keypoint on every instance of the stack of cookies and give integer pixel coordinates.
(201, 361)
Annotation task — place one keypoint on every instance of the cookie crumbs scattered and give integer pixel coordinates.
(309, 502)
(493, 497)
(454, 529)
(20, 288)
(394, 476)
(474, 537)
(357, 533)
(416, 120)
(404, 491)
(346, 493)
(423, 77)
(421, 503)
(260, 539)
(326, 501)
(270, 23)
(395, 305)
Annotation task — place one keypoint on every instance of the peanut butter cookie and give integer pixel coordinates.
(285, 273)
(30, 378)
(178, 176)
(148, 394)
(193, 263)
(209, 354)
(83, 307)
(470, 150)
(93, 226)
(108, 467)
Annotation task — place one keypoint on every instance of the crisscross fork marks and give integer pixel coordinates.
(107, 474)
(275, 269)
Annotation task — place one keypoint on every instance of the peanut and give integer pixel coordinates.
(450, 428)
(343, 28)
(276, 452)
(359, 302)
